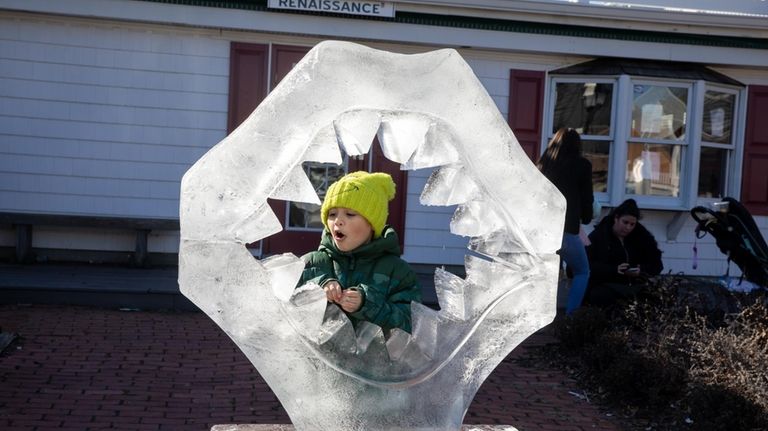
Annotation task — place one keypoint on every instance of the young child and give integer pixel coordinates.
(358, 262)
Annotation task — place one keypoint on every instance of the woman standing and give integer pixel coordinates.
(622, 255)
(563, 164)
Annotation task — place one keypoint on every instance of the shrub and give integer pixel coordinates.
(735, 356)
(582, 328)
(687, 350)
(719, 408)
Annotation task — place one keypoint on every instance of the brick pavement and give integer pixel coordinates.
(80, 368)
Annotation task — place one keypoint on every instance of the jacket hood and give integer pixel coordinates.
(387, 243)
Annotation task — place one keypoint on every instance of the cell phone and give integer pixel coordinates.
(634, 269)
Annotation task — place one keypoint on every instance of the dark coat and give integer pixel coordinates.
(387, 283)
(574, 180)
(606, 253)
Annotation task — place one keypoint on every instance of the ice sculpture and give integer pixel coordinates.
(429, 111)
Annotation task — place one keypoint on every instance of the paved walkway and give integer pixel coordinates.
(86, 368)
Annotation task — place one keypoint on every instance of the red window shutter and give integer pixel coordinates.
(754, 185)
(247, 81)
(526, 108)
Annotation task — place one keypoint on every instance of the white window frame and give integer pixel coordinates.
(649, 201)
(732, 186)
(549, 121)
(287, 224)
(620, 138)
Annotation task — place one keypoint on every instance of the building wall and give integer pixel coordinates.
(427, 239)
(103, 118)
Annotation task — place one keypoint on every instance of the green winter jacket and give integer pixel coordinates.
(387, 283)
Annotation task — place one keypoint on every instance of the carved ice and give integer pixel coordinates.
(429, 111)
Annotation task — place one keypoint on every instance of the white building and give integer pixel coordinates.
(104, 104)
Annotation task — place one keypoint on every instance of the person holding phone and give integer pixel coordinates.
(622, 255)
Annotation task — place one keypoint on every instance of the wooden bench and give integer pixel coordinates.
(23, 223)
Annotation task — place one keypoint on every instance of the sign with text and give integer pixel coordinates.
(350, 7)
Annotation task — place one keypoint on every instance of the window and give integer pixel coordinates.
(657, 139)
(666, 142)
(587, 107)
(717, 142)
(307, 216)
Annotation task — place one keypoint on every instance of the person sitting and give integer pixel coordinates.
(622, 255)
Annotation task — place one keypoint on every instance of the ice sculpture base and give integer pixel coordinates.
(283, 427)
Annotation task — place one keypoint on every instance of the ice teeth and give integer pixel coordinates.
(306, 309)
(487, 280)
(296, 187)
(260, 224)
(366, 333)
(400, 135)
(402, 348)
(309, 293)
(284, 272)
(324, 147)
(397, 343)
(355, 130)
(450, 295)
(336, 332)
(475, 218)
(496, 243)
(425, 323)
(449, 185)
(486, 273)
(438, 149)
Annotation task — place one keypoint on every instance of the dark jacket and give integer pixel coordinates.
(387, 283)
(606, 253)
(574, 180)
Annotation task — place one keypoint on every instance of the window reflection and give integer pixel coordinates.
(653, 169)
(598, 153)
(659, 112)
(713, 171)
(718, 117)
(584, 106)
(321, 175)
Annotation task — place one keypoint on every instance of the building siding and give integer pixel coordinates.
(104, 120)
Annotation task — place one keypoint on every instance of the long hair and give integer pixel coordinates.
(564, 146)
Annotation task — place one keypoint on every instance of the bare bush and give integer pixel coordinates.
(735, 356)
(687, 354)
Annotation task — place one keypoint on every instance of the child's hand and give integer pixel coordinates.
(351, 300)
(333, 291)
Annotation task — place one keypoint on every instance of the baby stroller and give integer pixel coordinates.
(737, 236)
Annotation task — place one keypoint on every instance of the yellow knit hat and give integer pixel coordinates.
(366, 193)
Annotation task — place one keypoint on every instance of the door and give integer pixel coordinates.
(526, 106)
(247, 81)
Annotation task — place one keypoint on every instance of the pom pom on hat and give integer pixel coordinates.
(366, 193)
(628, 207)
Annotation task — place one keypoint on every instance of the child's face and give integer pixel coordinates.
(349, 229)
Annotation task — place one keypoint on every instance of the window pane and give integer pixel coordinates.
(654, 169)
(718, 117)
(598, 152)
(304, 215)
(713, 171)
(585, 107)
(659, 112)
